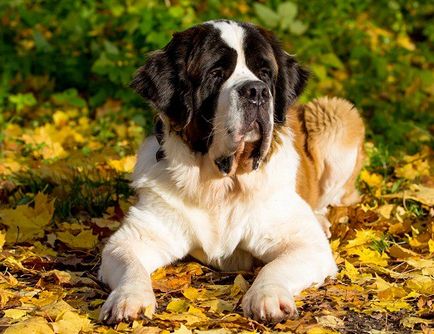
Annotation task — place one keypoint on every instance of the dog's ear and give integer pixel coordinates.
(152, 80)
(163, 81)
(291, 81)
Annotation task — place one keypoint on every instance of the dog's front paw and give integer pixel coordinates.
(269, 303)
(126, 303)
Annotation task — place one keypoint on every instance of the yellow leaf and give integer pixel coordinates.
(60, 118)
(417, 167)
(430, 245)
(14, 313)
(84, 240)
(218, 305)
(405, 42)
(42, 250)
(196, 311)
(182, 330)
(5, 296)
(148, 312)
(187, 317)
(9, 166)
(46, 142)
(321, 330)
(240, 285)
(191, 293)
(35, 325)
(363, 237)
(217, 331)
(389, 291)
(421, 284)
(71, 323)
(371, 179)
(386, 210)
(26, 223)
(2, 239)
(334, 244)
(177, 305)
(389, 305)
(124, 165)
(367, 255)
(55, 309)
(350, 271)
(44, 298)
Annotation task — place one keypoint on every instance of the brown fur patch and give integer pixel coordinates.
(313, 126)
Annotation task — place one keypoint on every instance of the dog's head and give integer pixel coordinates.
(222, 85)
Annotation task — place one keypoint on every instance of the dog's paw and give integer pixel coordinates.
(126, 303)
(269, 303)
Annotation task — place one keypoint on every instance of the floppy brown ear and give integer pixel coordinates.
(152, 80)
(162, 81)
(291, 81)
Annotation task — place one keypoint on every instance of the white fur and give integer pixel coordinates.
(184, 208)
(341, 163)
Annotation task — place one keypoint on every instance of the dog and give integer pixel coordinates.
(236, 172)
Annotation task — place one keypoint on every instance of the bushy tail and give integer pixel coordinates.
(335, 134)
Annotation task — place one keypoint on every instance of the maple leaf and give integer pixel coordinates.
(83, 240)
(26, 223)
(35, 325)
(370, 256)
(71, 322)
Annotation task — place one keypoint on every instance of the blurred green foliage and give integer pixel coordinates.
(377, 53)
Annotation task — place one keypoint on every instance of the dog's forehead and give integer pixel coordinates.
(232, 33)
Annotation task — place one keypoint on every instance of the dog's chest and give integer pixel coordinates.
(218, 233)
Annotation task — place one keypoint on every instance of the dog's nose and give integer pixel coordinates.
(255, 92)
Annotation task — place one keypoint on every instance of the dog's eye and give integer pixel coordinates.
(265, 73)
(216, 73)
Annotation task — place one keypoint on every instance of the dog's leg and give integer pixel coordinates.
(298, 256)
(141, 245)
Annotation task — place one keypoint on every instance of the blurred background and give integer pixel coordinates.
(378, 54)
(69, 124)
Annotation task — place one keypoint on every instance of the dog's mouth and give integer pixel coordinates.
(253, 132)
(251, 149)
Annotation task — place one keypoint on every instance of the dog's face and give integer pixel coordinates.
(223, 86)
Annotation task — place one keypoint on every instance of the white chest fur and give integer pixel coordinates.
(218, 214)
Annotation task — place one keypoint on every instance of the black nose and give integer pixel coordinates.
(255, 92)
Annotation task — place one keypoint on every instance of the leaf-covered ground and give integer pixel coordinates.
(63, 191)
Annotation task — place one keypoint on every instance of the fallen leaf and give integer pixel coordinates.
(14, 313)
(84, 240)
(26, 223)
(71, 322)
(330, 321)
(421, 284)
(370, 256)
(35, 325)
(177, 305)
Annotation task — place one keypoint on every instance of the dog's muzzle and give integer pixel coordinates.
(256, 126)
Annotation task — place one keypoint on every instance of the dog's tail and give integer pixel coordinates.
(335, 135)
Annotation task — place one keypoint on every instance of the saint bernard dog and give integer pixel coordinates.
(236, 171)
